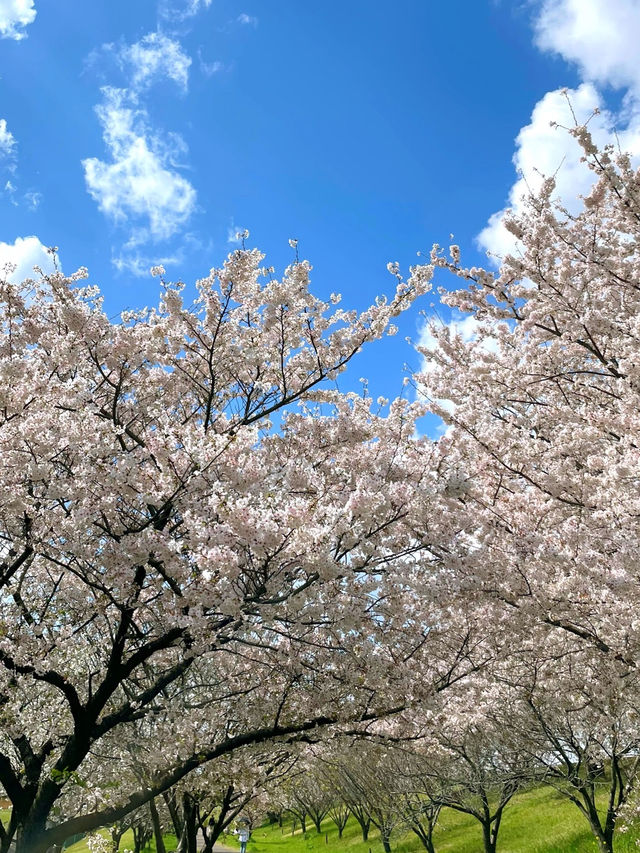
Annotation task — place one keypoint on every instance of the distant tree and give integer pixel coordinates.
(368, 786)
(309, 796)
(339, 813)
(577, 716)
(477, 775)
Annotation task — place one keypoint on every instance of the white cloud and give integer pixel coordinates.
(7, 140)
(31, 199)
(20, 257)
(154, 57)
(248, 20)
(543, 150)
(15, 15)
(601, 39)
(140, 183)
(600, 36)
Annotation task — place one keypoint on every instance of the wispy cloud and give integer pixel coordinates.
(211, 68)
(247, 20)
(33, 199)
(181, 10)
(236, 235)
(139, 186)
(138, 260)
(7, 142)
(15, 17)
(153, 58)
(9, 166)
(139, 263)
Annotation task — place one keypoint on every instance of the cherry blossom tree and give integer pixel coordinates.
(198, 531)
(537, 381)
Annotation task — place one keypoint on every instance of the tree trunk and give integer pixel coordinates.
(30, 839)
(157, 829)
(364, 822)
(116, 835)
(489, 838)
(605, 841)
(425, 836)
(604, 838)
(386, 842)
(169, 798)
(188, 843)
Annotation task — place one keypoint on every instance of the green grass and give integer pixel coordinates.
(540, 821)
(125, 842)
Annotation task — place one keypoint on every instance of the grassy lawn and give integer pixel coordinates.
(126, 842)
(536, 822)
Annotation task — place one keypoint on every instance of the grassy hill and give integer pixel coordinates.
(540, 821)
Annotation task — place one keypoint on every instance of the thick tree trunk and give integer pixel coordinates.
(30, 839)
(604, 836)
(386, 843)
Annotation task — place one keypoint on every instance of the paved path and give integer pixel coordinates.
(219, 848)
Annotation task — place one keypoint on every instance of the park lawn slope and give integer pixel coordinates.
(539, 821)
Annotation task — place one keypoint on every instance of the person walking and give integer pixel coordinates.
(243, 837)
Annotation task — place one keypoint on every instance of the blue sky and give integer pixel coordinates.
(148, 131)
